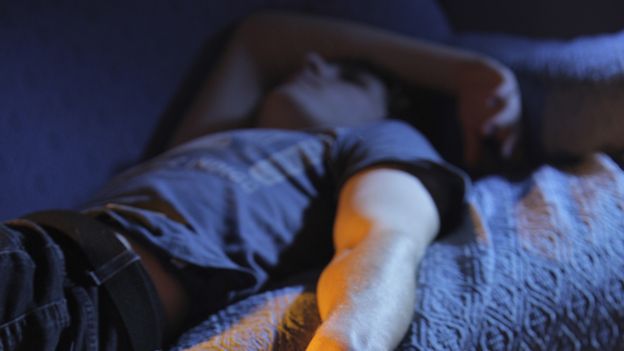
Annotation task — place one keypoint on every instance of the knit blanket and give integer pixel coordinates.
(538, 264)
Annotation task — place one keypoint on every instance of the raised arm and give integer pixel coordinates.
(385, 221)
(278, 42)
(267, 48)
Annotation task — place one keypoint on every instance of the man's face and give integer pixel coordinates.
(324, 94)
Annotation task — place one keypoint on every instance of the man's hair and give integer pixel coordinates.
(399, 102)
(431, 112)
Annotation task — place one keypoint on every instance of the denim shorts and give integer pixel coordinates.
(43, 305)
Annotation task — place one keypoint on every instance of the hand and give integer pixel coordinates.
(489, 107)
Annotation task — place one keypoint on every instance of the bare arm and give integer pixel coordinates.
(385, 221)
(278, 42)
(268, 47)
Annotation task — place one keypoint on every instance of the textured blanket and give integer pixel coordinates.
(537, 265)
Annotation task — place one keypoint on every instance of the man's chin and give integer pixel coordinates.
(279, 111)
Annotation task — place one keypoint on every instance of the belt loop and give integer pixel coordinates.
(111, 268)
(116, 268)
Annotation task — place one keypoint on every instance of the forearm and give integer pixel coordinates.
(385, 221)
(279, 41)
(366, 296)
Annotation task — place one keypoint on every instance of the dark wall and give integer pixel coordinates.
(537, 18)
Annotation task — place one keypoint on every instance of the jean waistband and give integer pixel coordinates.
(113, 266)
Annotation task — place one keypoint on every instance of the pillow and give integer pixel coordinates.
(573, 91)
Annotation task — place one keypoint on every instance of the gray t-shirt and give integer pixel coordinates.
(259, 203)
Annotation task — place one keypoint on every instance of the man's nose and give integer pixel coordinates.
(317, 64)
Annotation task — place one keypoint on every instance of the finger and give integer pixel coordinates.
(507, 139)
(509, 145)
(508, 86)
(506, 82)
(505, 116)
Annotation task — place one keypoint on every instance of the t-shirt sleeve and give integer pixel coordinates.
(399, 145)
